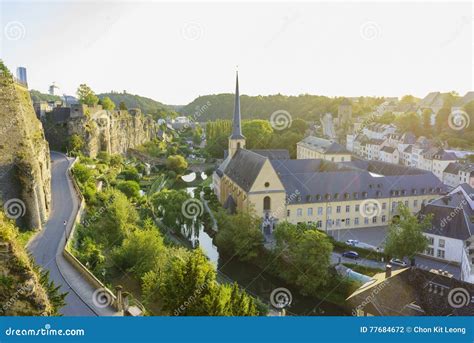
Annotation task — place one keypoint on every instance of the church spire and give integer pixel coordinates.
(236, 124)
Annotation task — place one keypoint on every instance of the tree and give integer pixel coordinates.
(239, 234)
(86, 95)
(386, 118)
(122, 106)
(168, 206)
(176, 163)
(130, 174)
(408, 99)
(409, 122)
(305, 255)
(141, 252)
(76, 143)
(405, 236)
(82, 173)
(108, 104)
(257, 133)
(130, 188)
(299, 126)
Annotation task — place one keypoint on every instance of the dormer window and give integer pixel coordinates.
(308, 198)
(328, 196)
(318, 197)
(336, 196)
(346, 196)
(364, 194)
(356, 195)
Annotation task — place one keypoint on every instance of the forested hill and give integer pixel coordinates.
(307, 107)
(147, 105)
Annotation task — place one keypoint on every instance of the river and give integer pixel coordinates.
(253, 279)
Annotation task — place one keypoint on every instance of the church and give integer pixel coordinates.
(332, 195)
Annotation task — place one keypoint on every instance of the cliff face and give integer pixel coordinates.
(21, 290)
(25, 167)
(111, 131)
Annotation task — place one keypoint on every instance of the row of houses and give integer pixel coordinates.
(382, 142)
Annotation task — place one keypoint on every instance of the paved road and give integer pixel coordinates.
(48, 245)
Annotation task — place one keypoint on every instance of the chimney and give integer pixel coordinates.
(388, 271)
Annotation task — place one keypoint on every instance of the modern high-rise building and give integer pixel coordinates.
(21, 75)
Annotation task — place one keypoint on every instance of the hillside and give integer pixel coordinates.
(307, 107)
(147, 105)
(37, 96)
(24, 291)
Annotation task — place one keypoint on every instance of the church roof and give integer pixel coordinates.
(244, 167)
(323, 145)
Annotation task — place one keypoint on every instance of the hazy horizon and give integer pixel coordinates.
(175, 52)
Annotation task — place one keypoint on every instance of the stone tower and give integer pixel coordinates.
(236, 139)
(344, 112)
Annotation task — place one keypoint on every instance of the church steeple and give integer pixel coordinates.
(236, 139)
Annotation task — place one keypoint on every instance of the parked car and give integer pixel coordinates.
(350, 254)
(352, 242)
(398, 262)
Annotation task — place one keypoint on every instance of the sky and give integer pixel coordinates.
(175, 52)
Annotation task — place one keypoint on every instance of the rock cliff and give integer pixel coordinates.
(25, 165)
(112, 131)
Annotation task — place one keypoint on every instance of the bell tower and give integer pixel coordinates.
(236, 139)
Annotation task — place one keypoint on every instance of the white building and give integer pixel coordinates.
(451, 236)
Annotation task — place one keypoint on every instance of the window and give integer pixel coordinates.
(394, 206)
(342, 159)
(338, 222)
(430, 251)
(384, 219)
(374, 220)
(348, 222)
(430, 240)
(366, 221)
(266, 203)
(320, 211)
(356, 221)
(384, 206)
(329, 223)
(440, 253)
(288, 213)
(406, 203)
(319, 223)
(348, 208)
(267, 184)
(310, 211)
(415, 203)
(329, 210)
(299, 212)
(338, 209)
(441, 243)
(357, 208)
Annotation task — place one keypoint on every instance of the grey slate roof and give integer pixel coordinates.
(273, 154)
(412, 291)
(451, 216)
(236, 129)
(316, 181)
(323, 145)
(244, 167)
(452, 168)
(388, 149)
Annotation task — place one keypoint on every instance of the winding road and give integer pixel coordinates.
(47, 246)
